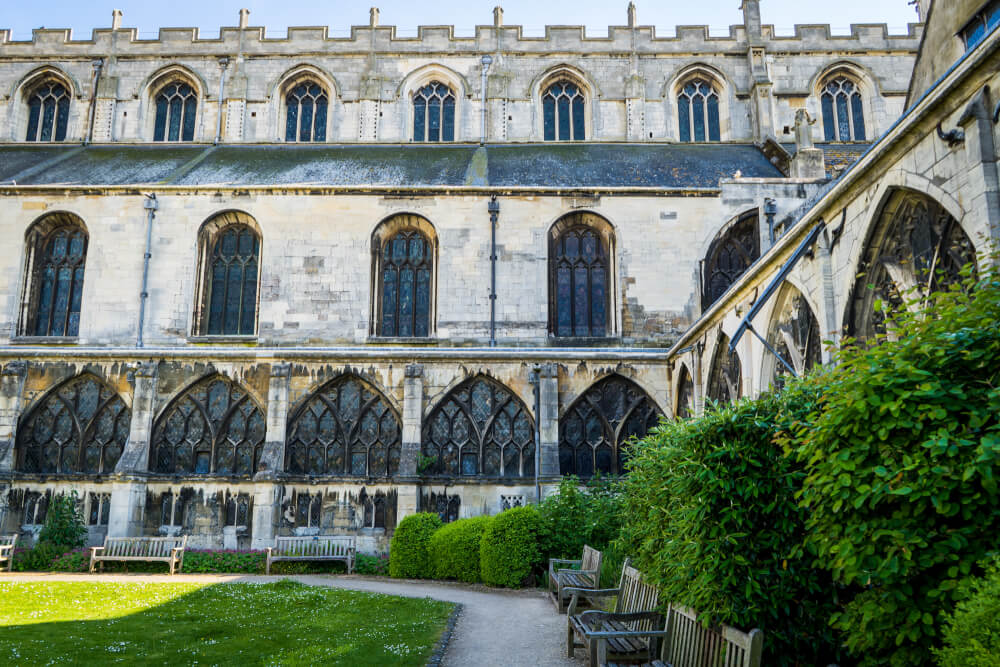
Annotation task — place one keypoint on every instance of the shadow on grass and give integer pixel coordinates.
(284, 623)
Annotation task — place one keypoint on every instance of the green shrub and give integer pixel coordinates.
(39, 558)
(455, 549)
(902, 458)
(372, 565)
(574, 517)
(509, 552)
(64, 525)
(711, 518)
(972, 633)
(409, 551)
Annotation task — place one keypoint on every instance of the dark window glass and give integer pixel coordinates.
(58, 270)
(176, 108)
(306, 113)
(729, 256)
(48, 113)
(480, 428)
(843, 111)
(434, 113)
(685, 395)
(698, 112)
(81, 427)
(684, 117)
(406, 269)
(563, 114)
(795, 338)
(596, 429)
(232, 288)
(725, 383)
(579, 261)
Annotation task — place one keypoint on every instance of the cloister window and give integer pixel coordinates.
(446, 507)
(843, 111)
(98, 509)
(176, 109)
(345, 428)
(579, 278)
(172, 509)
(480, 428)
(563, 114)
(729, 256)
(308, 510)
(80, 427)
(305, 112)
(238, 510)
(434, 113)
(374, 512)
(35, 508)
(594, 432)
(725, 377)
(698, 112)
(48, 112)
(57, 257)
(213, 428)
(405, 274)
(685, 395)
(795, 336)
(230, 268)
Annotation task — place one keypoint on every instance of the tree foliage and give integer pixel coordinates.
(64, 526)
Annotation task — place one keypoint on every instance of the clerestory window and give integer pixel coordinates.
(434, 113)
(176, 110)
(563, 115)
(843, 111)
(48, 112)
(305, 113)
(698, 112)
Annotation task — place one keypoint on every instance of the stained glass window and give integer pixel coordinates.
(176, 108)
(480, 428)
(698, 112)
(843, 112)
(406, 270)
(305, 114)
(374, 512)
(594, 432)
(725, 377)
(48, 113)
(795, 337)
(213, 428)
(56, 294)
(729, 256)
(80, 427)
(580, 276)
(685, 395)
(434, 113)
(563, 114)
(232, 274)
(345, 428)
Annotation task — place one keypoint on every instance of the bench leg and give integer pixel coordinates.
(267, 566)
(92, 565)
(570, 642)
(592, 653)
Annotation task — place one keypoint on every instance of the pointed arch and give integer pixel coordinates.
(79, 426)
(794, 334)
(55, 264)
(404, 277)
(698, 96)
(173, 99)
(435, 98)
(346, 427)
(844, 93)
(594, 431)
(564, 96)
(581, 277)
(735, 248)
(213, 427)
(227, 287)
(305, 95)
(685, 407)
(480, 428)
(725, 375)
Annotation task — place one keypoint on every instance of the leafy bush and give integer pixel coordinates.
(37, 559)
(972, 633)
(77, 560)
(509, 549)
(455, 549)
(64, 525)
(409, 551)
(372, 565)
(902, 456)
(574, 517)
(712, 520)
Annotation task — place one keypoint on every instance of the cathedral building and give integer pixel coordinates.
(259, 286)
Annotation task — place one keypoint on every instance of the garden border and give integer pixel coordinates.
(442, 644)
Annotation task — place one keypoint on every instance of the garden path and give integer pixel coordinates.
(496, 628)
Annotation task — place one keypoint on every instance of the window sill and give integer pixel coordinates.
(395, 340)
(584, 341)
(222, 339)
(44, 340)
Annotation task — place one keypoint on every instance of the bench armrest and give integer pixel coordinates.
(563, 561)
(176, 549)
(592, 592)
(94, 550)
(620, 617)
(572, 571)
(268, 549)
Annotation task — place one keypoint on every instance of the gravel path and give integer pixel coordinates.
(498, 628)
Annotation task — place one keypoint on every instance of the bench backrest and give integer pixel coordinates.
(142, 547)
(635, 595)
(690, 644)
(8, 541)
(591, 560)
(317, 546)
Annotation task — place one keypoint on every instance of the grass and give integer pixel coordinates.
(283, 623)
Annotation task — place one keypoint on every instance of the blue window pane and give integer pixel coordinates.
(159, 128)
(581, 301)
(34, 114)
(598, 298)
(406, 302)
(306, 120)
(469, 464)
(234, 279)
(176, 111)
(698, 113)
(434, 120)
(419, 121)
(218, 299)
(62, 119)
(684, 118)
(189, 113)
(564, 304)
(859, 118)
(202, 465)
(975, 33)
(579, 133)
(60, 304)
(389, 302)
(713, 119)
(359, 463)
(843, 122)
(292, 119)
(829, 122)
(549, 119)
(563, 129)
(45, 301)
(249, 307)
(423, 302)
(48, 117)
(448, 124)
(319, 133)
(406, 286)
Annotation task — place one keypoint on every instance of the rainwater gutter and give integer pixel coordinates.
(150, 204)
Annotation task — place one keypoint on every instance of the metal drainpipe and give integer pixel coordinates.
(494, 208)
(486, 60)
(223, 63)
(535, 379)
(770, 210)
(98, 66)
(150, 204)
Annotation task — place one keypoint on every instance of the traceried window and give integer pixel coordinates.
(795, 337)
(35, 508)
(843, 111)
(447, 507)
(434, 113)
(698, 112)
(172, 509)
(308, 510)
(345, 428)
(374, 512)
(480, 428)
(305, 112)
(405, 274)
(57, 257)
(594, 432)
(729, 256)
(98, 509)
(48, 112)
(685, 395)
(238, 510)
(725, 377)
(213, 428)
(981, 25)
(233, 260)
(563, 114)
(915, 247)
(176, 108)
(80, 427)
(579, 277)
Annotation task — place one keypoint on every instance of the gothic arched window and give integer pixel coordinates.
(345, 428)
(176, 108)
(213, 428)
(231, 263)
(698, 112)
(57, 257)
(725, 377)
(480, 428)
(406, 268)
(795, 336)
(579, 278)
(595, 430)
(563, 114)
(80, 427)
(843, 111)
(48, 112)
(305, 112)
(685, 395)
(434, 113)
(729, 256)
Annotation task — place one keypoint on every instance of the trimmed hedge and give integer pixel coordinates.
(455, 549)
(409, 552)
(509, 551)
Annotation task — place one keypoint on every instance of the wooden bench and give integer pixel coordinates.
(169, 550)
(628, 633)
(316, 547)
(7, 543)
(587, 576)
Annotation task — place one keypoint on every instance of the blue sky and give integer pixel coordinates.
(146, 15)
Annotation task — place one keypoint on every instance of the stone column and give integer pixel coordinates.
(272, 460)
(266, 509)
(11, 390)
(408, 493)
(128, 507)
(980, 150)
(128, 488)
(548, 421)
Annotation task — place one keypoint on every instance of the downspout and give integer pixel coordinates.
(535, 379)
(150, 204)
(98, 66)
(223, 63)
(494, 208)
(486, 60)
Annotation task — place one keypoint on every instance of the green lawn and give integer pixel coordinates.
(283, 623)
